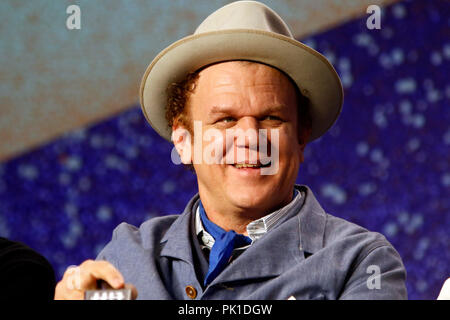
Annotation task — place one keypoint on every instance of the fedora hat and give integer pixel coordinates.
(244, 30)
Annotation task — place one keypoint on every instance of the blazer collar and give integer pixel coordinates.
(312, 223)
(302, 230)
(177, 242)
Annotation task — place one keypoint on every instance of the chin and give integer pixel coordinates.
(249, 196)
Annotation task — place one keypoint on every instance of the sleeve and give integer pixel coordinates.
(113, 248)
(378, 275)
(106, 254)
(125, 240)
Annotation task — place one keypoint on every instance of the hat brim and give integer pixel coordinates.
(311, 71)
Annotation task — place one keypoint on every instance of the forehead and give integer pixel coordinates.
(242, 72)
(243, 81)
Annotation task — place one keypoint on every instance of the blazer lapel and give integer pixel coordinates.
(301, 231)
(177, 240)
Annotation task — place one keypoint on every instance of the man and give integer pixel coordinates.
(250, 233)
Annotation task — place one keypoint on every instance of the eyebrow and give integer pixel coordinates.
(219, 110)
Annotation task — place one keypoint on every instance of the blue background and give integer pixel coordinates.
(384, 165)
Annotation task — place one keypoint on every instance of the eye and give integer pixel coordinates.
(272, 118)
(227, 119)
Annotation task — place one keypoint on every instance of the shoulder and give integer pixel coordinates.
(357, 240)
(129, 237)
(369, 257)
(338, 229)
(153, 229)
(335, 231)
(13, 253)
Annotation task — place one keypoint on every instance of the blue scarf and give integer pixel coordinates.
(224, 243)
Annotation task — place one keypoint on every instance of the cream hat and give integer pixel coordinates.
(244, 30)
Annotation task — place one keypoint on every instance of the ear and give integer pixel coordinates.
(302, 140)
(300, 153)
(181, 138)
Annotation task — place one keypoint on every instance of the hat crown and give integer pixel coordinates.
(244, 15)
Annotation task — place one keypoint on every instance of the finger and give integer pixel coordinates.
(74, 295)
(134, 292)
(105, 271)
(79, 278)
(62, 292)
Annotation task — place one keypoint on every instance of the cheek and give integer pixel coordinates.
(289, 149)
(213, 147)
(208, 152)
(284, 140)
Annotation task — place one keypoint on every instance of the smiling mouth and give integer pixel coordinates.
(250, 166)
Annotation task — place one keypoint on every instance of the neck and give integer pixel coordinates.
(231, 217)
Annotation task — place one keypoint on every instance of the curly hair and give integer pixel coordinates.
(177, 96)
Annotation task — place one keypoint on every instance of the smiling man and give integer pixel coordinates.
(249, 233)
(245, 97)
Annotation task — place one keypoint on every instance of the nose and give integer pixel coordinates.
(247, 132)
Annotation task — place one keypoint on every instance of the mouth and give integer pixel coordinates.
(250, 166)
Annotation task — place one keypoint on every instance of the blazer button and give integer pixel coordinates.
(191, 292)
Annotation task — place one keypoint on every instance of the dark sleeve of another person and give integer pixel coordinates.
(24, 273)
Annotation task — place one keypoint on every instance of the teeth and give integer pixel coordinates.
(246, 165)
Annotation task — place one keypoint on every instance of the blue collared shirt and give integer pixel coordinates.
(255, 229)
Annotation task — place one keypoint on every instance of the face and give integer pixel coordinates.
(248, 97)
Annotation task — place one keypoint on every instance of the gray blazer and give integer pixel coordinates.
(309, 255)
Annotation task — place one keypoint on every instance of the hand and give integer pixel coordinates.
(445, 291)
(84, 277)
